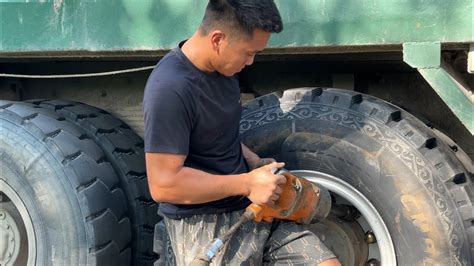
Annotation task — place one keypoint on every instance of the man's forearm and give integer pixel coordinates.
(192, 186)
(170, 181)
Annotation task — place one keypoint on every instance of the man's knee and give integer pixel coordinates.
(330, 262)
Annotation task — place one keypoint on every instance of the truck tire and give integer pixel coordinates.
(60, 203)
(123, 148)
(406, 184)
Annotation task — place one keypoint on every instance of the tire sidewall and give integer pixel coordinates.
(405, 188)
(39, 180)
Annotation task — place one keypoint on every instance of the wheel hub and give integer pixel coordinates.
(17, 236)
(378, 239)
(346, 239)
(9, 238)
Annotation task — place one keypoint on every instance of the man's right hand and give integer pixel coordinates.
(264, 186)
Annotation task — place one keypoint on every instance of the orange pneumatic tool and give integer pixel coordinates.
(300, 201)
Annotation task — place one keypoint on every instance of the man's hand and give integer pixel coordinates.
(264, 186)
(260, 162)
(253, 160)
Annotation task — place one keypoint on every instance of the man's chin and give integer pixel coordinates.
(229, 74)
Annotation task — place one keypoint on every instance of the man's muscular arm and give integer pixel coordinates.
(170, 181)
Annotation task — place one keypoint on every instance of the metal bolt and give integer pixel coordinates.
(372, 262)
(370, 237)
(12, 239)
(2, 216)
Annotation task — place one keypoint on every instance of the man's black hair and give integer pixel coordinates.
(242, 16)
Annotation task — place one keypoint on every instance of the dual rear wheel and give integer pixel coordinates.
(74, 190)
(73, 187)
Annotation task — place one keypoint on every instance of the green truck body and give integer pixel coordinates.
(393, 140)
(133, 28)
(128, 26)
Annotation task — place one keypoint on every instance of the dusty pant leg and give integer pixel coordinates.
(191, 236)
(247, 244)
(292, 244)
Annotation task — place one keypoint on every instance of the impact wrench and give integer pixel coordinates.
(300, 201)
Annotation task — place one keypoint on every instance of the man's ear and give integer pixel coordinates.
(217, 37)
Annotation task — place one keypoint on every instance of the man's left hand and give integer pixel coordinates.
(260, 162)
(253, 160)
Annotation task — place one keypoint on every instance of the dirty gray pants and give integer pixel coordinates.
(280, 243)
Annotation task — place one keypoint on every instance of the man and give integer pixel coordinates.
(197, 167)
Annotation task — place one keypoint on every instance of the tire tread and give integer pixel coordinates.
(124, 149)
(62, 139)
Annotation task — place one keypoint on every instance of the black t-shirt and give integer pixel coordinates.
(196, 114)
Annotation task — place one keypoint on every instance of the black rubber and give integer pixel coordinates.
(69, 188)
(422, 191)
(162, 246)
(124, 149)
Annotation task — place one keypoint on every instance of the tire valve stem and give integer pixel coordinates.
(370, 237)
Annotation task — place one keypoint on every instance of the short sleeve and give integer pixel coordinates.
(168, 117)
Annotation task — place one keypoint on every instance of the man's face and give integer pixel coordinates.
(235, 54)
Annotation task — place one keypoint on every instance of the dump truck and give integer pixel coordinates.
(370, 99)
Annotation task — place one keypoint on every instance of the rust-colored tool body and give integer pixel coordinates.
(300, 201)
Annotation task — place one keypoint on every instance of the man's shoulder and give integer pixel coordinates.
(170, 72)
(173, 63)
(169, 84)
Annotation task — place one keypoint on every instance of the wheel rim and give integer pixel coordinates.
(20, 239)
(365, 207)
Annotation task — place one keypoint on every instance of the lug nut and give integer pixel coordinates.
(2, 216)
(370, 237)
(372, 262)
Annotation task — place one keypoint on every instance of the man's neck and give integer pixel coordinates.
(195, 50)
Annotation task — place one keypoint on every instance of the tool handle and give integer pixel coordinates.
(284, 203)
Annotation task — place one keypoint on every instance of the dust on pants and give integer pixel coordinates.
(279, 243)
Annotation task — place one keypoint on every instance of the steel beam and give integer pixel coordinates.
(426, 58)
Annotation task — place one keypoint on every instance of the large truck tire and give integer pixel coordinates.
(414, 197)
(60, 200)
(123, 148)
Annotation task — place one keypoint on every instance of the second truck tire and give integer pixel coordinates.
(123, 148)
